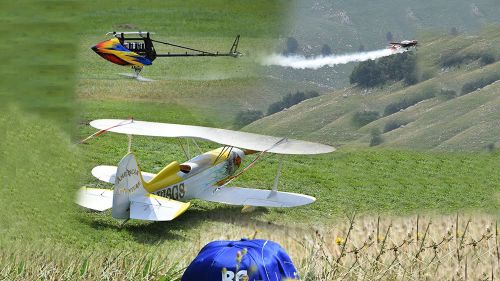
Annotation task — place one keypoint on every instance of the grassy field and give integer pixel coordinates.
(44, 235)
(393, 180)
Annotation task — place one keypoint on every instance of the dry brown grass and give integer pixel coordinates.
(370, 248)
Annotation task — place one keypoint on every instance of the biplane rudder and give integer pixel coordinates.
(128, 184)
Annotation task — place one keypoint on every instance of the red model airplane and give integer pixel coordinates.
(407, 44)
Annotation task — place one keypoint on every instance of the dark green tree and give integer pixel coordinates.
(487, 58)
(246, 117)
(393, 125)
(290, 100)
(362, 118)
(376, 137)
(312, 94)
(367, 74)
(326, 50)
(292, 46)
(453, 31)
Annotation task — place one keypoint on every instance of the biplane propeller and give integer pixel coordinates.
(136, 49)
(165, 195)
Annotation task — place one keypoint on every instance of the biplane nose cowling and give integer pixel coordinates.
(112, 51)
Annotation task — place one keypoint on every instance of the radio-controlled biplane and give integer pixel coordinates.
(166, 195)
(136, 49)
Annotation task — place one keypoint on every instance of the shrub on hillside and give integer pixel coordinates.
(362, 118)
(411, 78)
(290, 100)
(427, 93)
(292, 46)
(393, 125)
(246, 117)
(376, 137)
(326, 50)
(487, 58)
(479, 83)
(490, 147)
(447, 94)
(452, 59)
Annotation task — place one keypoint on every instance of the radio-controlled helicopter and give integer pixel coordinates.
(136, 49)
(166, 195)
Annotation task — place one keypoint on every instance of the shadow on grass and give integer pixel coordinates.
(157, 232)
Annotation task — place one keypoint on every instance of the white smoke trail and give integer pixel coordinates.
(301, 62)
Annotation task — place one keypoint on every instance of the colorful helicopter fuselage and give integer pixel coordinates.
(112, 50)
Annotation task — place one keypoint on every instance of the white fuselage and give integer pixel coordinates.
(202, 176)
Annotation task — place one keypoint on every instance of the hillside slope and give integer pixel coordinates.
(468, 121)
(345, 26)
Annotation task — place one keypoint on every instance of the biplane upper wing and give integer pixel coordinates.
(238, 139)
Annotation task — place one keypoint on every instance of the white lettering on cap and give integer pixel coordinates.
(242, 275)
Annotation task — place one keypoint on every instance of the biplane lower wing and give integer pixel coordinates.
(156, 208)
(95, 198)
(254, 197)
(108, 173)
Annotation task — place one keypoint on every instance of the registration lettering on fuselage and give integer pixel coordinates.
(175, 192)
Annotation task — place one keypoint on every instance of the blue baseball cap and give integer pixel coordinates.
(243, 260)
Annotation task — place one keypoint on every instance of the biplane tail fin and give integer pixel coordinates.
(132, 201)
(128, 184)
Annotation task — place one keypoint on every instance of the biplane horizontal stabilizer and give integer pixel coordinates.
(156, 208)
(108, 173)
(95, 198)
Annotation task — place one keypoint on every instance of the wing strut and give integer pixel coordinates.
(278, 174)
(186, 153)
(96, 134)
(224, 149)
(197, 146)
(129, 143)
(230, 179)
